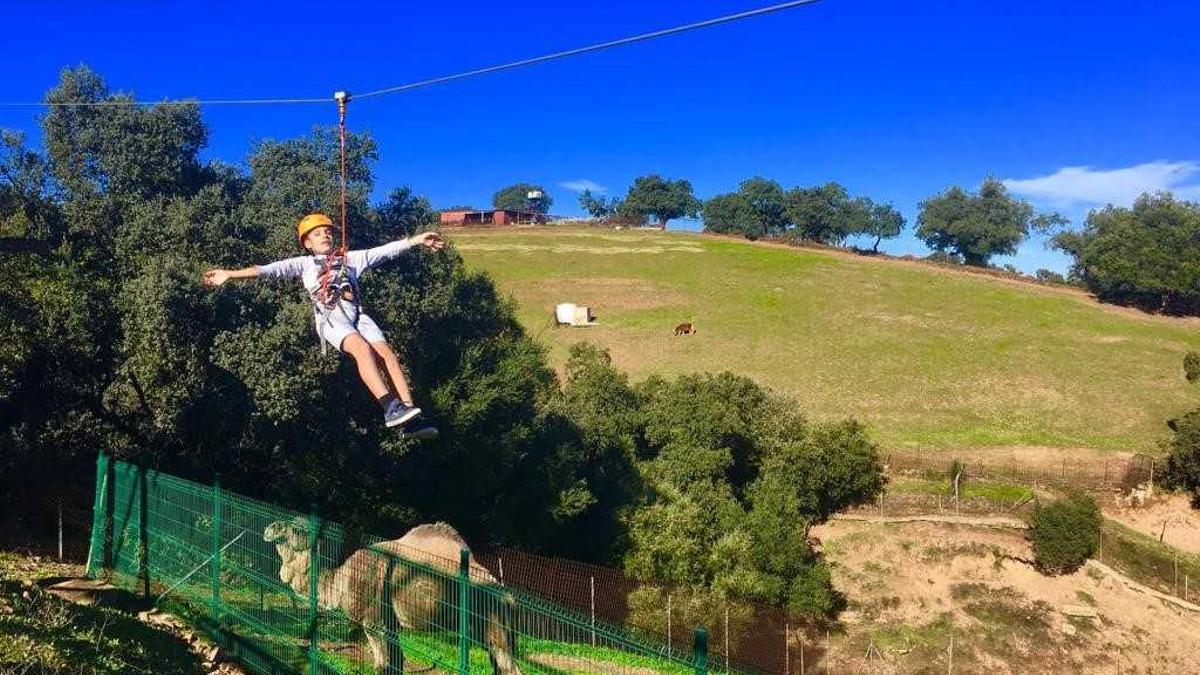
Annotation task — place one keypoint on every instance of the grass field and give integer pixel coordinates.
(930, 358)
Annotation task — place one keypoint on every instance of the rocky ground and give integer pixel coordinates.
(915, 589)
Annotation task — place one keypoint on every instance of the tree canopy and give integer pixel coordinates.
(883, 221)
(757, 209)
(516, 198)
(1147, 255)
(598, 206)
(978, 226)
(825, 214)
(118, 346)
(665, 200)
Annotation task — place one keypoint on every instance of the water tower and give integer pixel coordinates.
(536, 199)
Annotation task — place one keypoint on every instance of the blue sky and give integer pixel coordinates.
(1077, 103)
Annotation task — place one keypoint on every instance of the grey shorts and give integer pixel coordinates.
(338, 325)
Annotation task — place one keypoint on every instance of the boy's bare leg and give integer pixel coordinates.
(364, 357)
(394, 371)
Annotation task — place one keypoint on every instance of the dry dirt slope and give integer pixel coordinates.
(914, 587)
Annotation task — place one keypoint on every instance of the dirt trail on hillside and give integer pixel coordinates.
(1171, 516)
(913, 586)
(977, 521)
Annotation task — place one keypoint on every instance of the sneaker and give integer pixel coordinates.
(397, 413)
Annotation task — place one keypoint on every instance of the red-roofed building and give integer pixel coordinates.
(492, 217)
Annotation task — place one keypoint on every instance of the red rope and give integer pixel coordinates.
(342, 141)
(326, 275)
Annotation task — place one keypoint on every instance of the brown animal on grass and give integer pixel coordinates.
(684, 329)
(419, 592)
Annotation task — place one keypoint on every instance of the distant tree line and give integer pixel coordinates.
(1147, 255)
(825, 214)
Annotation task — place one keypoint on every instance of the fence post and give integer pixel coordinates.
(96, 553)
(464, 614)
(669, 625)
(700, 651)
(214, 566)
(143, 529)
(110, 514)
(726, 636)
(314, 564)
(592, 582)
(60, 530)
(800, 640)
(787, 648)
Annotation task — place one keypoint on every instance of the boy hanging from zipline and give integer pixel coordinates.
(331, 278)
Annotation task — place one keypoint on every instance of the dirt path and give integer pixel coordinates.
(978, 521)
(1169, 516)
(1139, 588)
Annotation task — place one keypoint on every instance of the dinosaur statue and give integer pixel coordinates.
(417, 593)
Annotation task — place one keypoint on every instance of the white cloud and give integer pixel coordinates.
(581, 184)
(1083, 185)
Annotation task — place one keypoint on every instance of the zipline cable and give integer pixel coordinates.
(728, 18)
(210, 101)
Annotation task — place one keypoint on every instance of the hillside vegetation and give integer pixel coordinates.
(929, 358)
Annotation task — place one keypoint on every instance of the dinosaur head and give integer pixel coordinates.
(293, 535)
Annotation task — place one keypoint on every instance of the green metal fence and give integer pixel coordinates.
(239, 569)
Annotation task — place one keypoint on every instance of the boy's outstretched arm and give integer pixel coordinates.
(218, 277)
(367, 258)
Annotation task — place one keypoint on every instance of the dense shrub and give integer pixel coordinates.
(1065, 533)
(1183, 462)
(957, 471)
(944, 258)
(735, 477)
(1045, 276)
(1191, 366)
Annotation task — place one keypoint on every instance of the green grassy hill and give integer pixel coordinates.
(930, 358)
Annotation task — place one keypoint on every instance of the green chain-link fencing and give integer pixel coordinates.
(239, 569)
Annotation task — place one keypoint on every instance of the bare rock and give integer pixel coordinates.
(1069, 629)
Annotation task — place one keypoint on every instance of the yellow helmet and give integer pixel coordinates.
(311, 222)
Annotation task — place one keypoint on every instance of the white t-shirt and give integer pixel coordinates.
(308, 268)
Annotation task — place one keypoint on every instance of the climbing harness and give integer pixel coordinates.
(336, 281)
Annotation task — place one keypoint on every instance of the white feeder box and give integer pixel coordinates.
(570, 314)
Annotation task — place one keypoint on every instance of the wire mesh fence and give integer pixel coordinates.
(906, 504)
(742, 637)
(288, 592)
(1149, 562)
(1096, 475)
